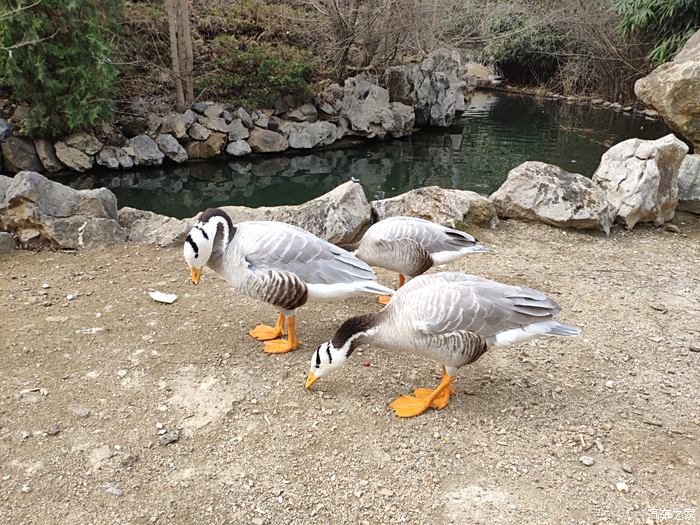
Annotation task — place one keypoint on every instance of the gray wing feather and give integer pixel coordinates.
(433, 237)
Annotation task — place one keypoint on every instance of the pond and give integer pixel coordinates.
(497, 133)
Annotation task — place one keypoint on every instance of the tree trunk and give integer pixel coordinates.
(186, 34)
(181, 52)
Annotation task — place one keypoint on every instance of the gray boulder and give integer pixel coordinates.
(198, 132)
(7, 242)
(305, 135)
(238, 148)
(20, 154)
(304, 113)
(42, 212)
(177, 124)
(172, 148)
(672, 90)
(206, 149)
(434, 88)
(47, 154)
(444, 206)
(73, 158)
(213, 110)
(107, 157)
(244, 116)
(640, 179)
(237, 130)
(339, 216)
(146, 151)
(146, 227)
(84, 142)
(214, 124)
(266, 141)
(5, 129)
(689, 184)
(541, 192)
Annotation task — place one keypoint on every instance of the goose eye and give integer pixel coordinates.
(196, 255)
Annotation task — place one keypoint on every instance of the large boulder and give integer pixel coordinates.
(339, 216)
(304, 113)
(172, 148)
(42, 212)
(20, 154)
(84, 142)
(114, 158)
(146, 227)
(237, 130)
(689, 184)
(206, 149)
(47, 154)
(214, 124)
(198, 132)
(444, 206)
(266, 141)
(541, 192)
(305, 135)
(238, 148)
(73, 158)
(433, 88)
(672, 90)
(146, 151)
(177, 124)
(640, 179)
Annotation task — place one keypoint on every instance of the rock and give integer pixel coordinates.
(640, 179)
(5, 129)
(244, 116)
(433, 88)
(404, 119)
(146, 227)
(84, 142)
(587, 460)
(238, 148)
(206, 149)
(237, 131)
(153, 123)
(198, 132)
(597, 101)
(330, 99)
(338, 216)
(541, 192)
(132, 126)
(43, 212)
(125, 159)
(444, 206)
(266, 141)
(146, 151)
(214, 124)
(177, 124)
(689, 184)
(114, 489)
(214, 110)
(171, 436)
(47, 155)
(114, 158)
(627, 468)
(172, 148)
(668, 90)
(53, 430)
(304, 113)
(7, 242)
(19, 154)
(73, 158)
(621, 486)
(305, 135)
(200, 107)
(79, 410)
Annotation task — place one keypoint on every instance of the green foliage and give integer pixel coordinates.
(255, 75)
(667, 24)
(56, 58)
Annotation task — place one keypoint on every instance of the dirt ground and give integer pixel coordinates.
(156, 413)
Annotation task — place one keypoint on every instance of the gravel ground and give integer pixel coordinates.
(116, 409)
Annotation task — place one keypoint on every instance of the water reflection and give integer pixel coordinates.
(498, 133)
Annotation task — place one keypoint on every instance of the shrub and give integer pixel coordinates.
(255, 75)
(56, 58)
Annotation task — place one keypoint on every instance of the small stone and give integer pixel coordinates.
(45, 286)
(621, 486)
(627, 468)
(52, 430)
(587, 460)
(29, 397)
(366, 363)
(26, 488)
(170, 436)
(277, 491)
(694, 348)
(114, 489)
(79, 410)
(258, 521)
(121, 373)
(609, 384)
(70, 297)
(386, 492)
(671, 228)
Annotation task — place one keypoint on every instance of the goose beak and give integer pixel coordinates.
(196, 274)
(310, 380)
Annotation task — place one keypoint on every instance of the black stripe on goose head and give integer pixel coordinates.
(210, 213)
(351, 327)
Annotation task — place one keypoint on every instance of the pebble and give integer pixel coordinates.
(609, 383)
(29, 397)
(79, 410)
(627, 468)
(114, 489)
(53, 430)
(168, 437)
(257, 521)
(587, 460)
(45, 286)
(621, 486)
(121, 373)
(386, 492)
(26, 488)
(694, 348)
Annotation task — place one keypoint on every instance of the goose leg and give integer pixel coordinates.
(408, 406)
(384, 299)
(281, 346)
(263, 332)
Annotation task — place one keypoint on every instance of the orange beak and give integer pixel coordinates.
(196, 274)
(310, 380)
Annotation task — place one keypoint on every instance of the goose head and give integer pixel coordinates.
(207, 241)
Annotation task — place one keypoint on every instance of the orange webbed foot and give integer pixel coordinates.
(281, 346)
(407, 406)
(384, 299)
(263, 332)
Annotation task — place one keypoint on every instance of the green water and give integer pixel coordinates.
(498, 132)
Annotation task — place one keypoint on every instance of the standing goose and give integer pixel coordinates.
(411, 246)
(452, 318)
(277, 263)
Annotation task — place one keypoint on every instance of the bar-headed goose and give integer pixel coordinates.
(277, 263)
(411, 246)
(452, 318)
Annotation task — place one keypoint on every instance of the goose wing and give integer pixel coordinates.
(433, 237)
(450, 302)
(277, 246)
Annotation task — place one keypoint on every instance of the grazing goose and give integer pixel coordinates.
(411, 246)
(277, 263)
(452, 318)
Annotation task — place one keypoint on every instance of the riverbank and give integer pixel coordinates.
(256, 447)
